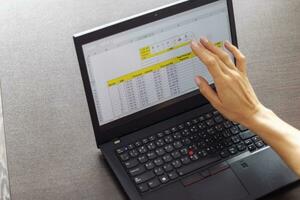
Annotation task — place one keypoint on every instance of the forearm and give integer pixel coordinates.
(282, 137)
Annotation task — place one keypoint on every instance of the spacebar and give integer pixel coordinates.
(197, 164)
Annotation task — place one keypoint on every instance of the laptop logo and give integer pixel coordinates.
(244, 164)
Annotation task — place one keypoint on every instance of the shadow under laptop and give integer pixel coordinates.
(103, 161)
(289, 192)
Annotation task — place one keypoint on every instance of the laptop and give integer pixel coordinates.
(160, 136)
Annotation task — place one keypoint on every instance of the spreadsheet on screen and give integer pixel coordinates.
(145, 66)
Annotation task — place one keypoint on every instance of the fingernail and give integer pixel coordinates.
(204, 39)
(227, 43)
(194, 44)
(198, 81)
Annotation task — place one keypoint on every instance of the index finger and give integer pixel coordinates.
(209, 61)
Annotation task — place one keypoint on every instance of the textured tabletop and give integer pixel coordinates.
(50, 142)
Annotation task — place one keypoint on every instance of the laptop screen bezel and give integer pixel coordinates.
(154, 114)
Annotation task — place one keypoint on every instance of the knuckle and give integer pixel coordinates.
(224, 56)
(211, 61)
(242, 58)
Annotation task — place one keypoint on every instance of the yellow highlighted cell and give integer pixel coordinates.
(150, 69)
(146, 53)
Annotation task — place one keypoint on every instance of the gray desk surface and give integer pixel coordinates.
(50, 142)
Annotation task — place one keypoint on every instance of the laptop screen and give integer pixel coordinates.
(153, 63)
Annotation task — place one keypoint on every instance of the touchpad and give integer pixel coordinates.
(223, 185)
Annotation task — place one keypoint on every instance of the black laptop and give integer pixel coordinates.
(161, 138)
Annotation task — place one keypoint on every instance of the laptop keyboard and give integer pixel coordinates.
(172, 153)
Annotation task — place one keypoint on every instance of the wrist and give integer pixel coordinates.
(259, 117)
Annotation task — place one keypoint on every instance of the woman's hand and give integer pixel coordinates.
(236, 100)
(235, 97)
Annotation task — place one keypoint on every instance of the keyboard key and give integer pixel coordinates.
(167, 132)
(232, 150)
(248, 141)
(186, 141)
(235, 139)
(219, 127)
(224, 153)
(133, 153)
(218, 119)
(153, 183)
(184, 151)
(121, 150)
(168, 167)
(149, 165)
(151, 138)
(160, 151)
(151, 155)
(246, 135)
(241, 146)
(196, 165)
(177, 135)
(227, 124)
(202, 153)
(208, 115)
(172, 175)
(194, 157)
(256, 139)
(142, 158)
(188, 123)
(167, 157)
(164, 178)
(142, 149)
(177, 144)
(137, 170)
(168, 139)
(176, 163)
(143, 187)
(181, 126)
(130, 146)
(169, 148)
(137, 143)
(160, 134)
(228, 142)
(234, 130)
(144, 177)
(158, 171)
(210, 122)
(201, 126)
(175, 154)
(124, 156)
(160, 142)
(259, 144)
(216, 112)
(242, 128)
(211, 131)
(145, 140)
(174, 129)
(201, 118)
(185, 160)
(226, 133)
(158, 161)
(131, 163)
(151, 146)
(251, 147)
(195, 121)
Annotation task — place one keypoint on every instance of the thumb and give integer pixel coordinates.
(208, 92)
